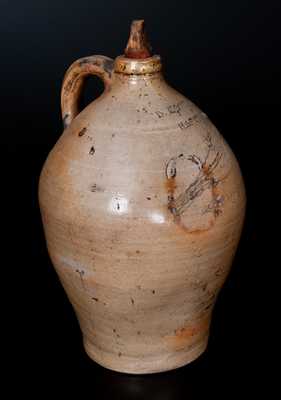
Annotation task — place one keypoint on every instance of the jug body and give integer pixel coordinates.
(143, 203)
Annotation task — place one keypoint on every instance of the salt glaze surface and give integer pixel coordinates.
(143, 204)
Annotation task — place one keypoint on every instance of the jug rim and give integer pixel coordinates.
(131, 66)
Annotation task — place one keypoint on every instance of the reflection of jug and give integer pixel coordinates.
(142, 203)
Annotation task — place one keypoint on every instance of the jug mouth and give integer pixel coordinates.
(143, 66)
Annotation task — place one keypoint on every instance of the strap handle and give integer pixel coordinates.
(74, 80)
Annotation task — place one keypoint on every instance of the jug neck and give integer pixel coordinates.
(135, 81)
(131, 66)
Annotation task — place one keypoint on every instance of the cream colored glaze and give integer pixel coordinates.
(143, 203)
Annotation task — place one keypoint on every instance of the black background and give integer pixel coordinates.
(224, 56)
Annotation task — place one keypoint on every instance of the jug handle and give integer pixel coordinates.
(75, 78)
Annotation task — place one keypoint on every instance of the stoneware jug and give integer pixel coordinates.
(143, 204)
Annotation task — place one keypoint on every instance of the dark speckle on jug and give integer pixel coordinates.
(96, 188)
(82, 132)
(92, 151)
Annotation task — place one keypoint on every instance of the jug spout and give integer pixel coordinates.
(137, 58)
(138, 46)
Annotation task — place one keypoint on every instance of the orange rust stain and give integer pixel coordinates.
(215, 192)
(188, 334)
(195, 232)
(206, 169)
(198, 231)
(171, 185)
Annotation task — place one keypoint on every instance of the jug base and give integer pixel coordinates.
(147, 365)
